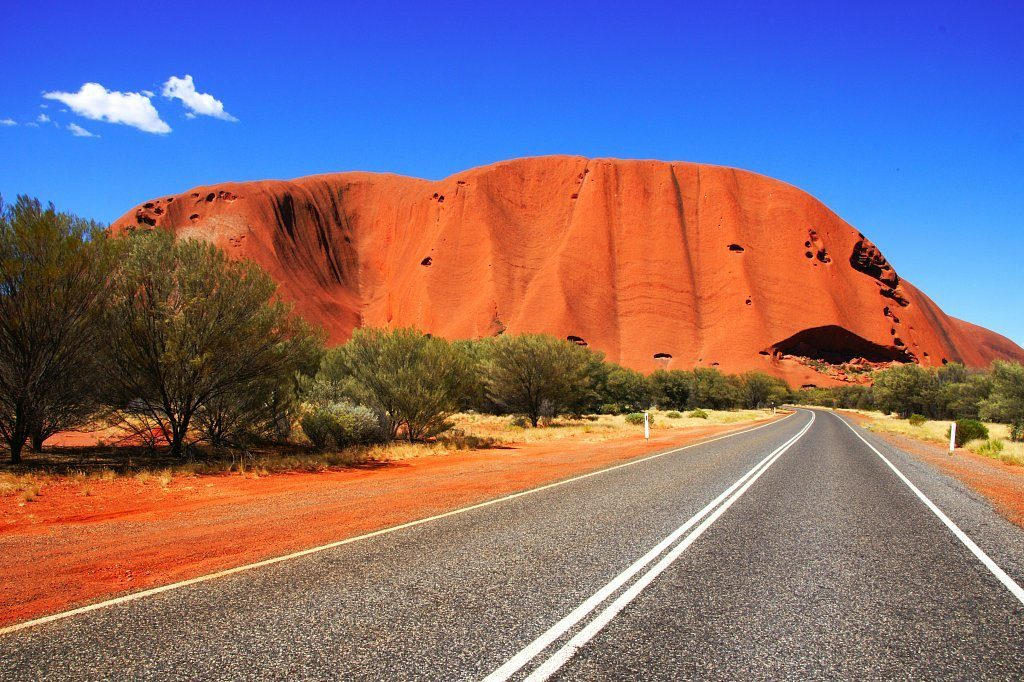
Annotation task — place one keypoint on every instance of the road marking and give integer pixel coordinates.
(331, 545)
(978, 552)
(715, 508)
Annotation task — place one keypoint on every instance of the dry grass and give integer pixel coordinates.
(593, 428)
(26, 487)
(471, 432)
(938, 432)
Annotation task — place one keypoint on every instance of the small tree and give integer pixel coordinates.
(760, 389)
(413, 381)
(905, 390)
(261, 411)
(1006, 401)
(192, 332)
(713, 389)
(539, 375)
(671, 388)
(626, 388)
(53, 280)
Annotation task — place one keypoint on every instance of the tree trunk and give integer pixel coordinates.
(178, 442)
(37, 442)
(16, 450)
(534, 419)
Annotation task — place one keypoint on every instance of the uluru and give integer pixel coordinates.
(657, 264)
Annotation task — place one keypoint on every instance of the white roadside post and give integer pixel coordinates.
(952, 437)
(647, 425)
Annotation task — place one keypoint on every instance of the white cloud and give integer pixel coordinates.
(79, 131)
(99, 104)
(42, 118)
(199, 103)
(7, 122)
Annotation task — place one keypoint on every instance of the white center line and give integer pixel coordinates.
(715, 508)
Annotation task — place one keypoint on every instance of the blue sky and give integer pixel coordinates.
(906, 119)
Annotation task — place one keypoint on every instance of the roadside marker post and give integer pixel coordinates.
(647, 425)
(952, 438)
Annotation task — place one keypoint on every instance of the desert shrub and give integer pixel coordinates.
(959, 392)
(413, 380)
(190, 331)
(610, 408)
(625, 388)
(341, 425)
(761, 390)
(540, 376)
(698, 414)
(904, 389)
(1017, 432)
(917, 419)
(460, 440)
(673, 414)
(713, 389)
(259, 412)
(635, 418)
(519, 422)
(1005, 403)
(991, 448)
(54, 270)
(671, 388)
(968, 430)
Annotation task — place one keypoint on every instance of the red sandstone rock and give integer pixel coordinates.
(657, 264)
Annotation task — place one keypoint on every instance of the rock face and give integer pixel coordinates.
(657, 264)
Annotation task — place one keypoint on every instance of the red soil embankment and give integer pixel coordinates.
(67, 548)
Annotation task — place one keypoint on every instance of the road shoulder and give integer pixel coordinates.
(1002, 485)
(120, 541)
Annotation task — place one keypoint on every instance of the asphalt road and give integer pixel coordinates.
(790, 551)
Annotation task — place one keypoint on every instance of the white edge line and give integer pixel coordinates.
(530, 651)
(978, 552)
(331, 545)
(569, 649)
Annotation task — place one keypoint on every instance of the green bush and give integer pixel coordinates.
(414, 381)
(54, 270)
(968, 430)
(698, 414)
(610, 408)
(1017, 432)
(625, 388)
(673, 415)
(716, 390)
(635, 418)
(991, 448)
(192, 334)
(917, 419)
(540, 376)
(341, 425)
(1005, 403)
(671, 389)
(520, 421)
(460, 440)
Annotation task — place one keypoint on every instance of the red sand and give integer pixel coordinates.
(640, 259)
(66, 548)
